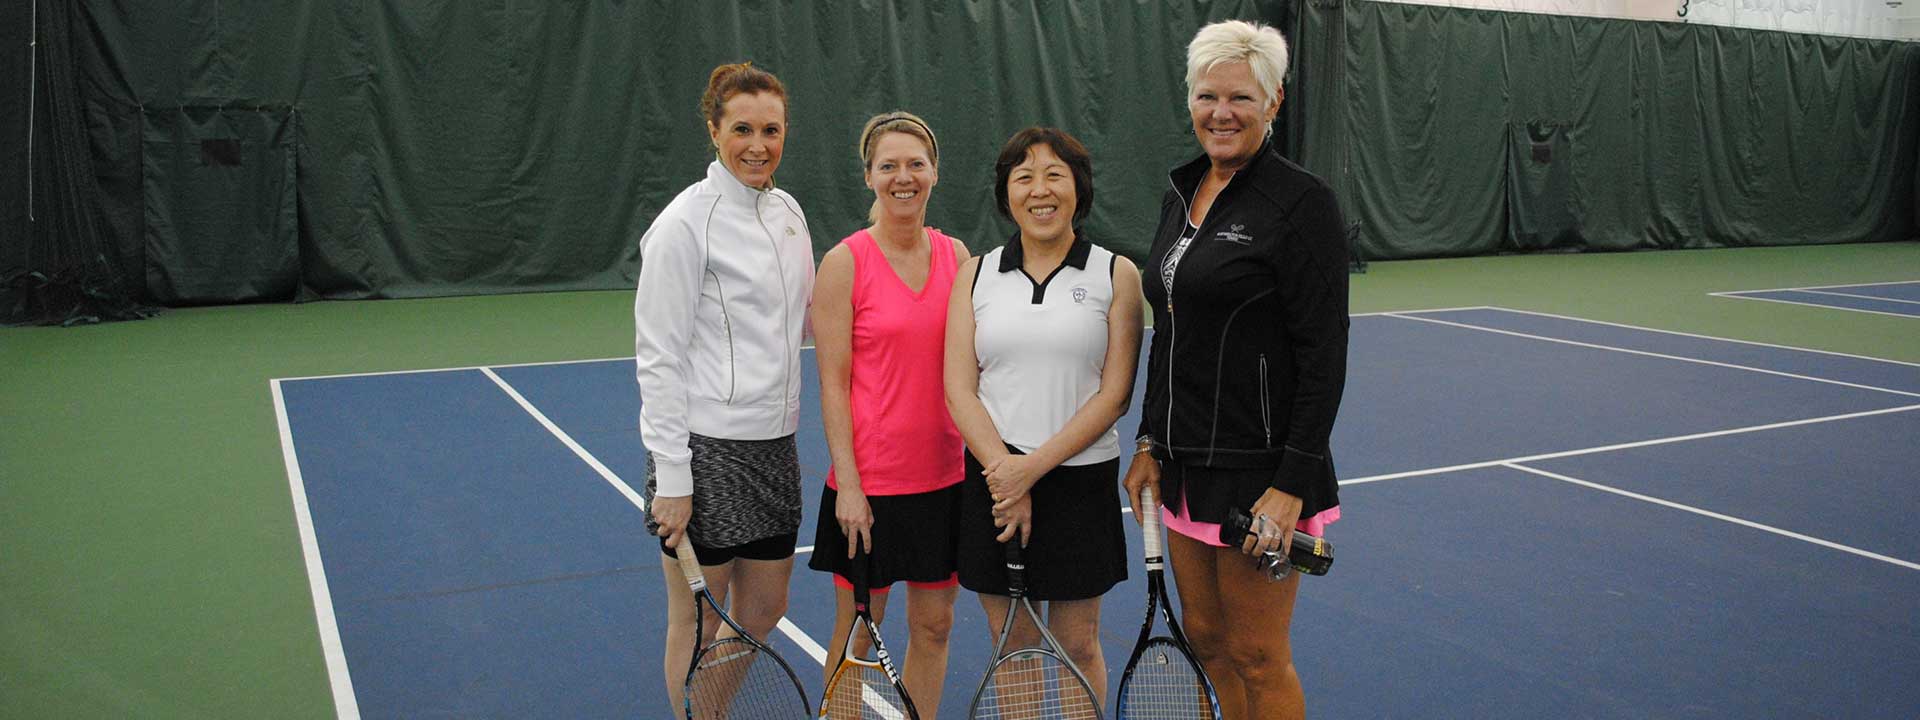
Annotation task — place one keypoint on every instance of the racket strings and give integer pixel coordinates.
(863, 692)
(1034, 686)
(1164, 684)
(734, 680)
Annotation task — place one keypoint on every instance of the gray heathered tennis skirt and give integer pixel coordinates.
(743, 490)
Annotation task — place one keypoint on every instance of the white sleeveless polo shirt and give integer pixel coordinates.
(1042, 344)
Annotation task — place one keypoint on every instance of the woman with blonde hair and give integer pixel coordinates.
(879, 315)
(1246, 368)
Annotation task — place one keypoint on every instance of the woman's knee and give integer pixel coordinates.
(762, 618)
(1084, 649)
(930, 613)
(1076, 626)
(760, 614)
(1257, 657)
(933, 627)
(1207, 634)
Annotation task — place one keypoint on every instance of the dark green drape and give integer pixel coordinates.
(297, 148)
(398, 148)
(221, 214)
(1462, 132)
(57, 262)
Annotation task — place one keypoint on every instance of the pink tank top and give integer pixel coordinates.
(904, 442)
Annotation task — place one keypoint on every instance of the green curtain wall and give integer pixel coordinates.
(1465, 132)
(404, 148)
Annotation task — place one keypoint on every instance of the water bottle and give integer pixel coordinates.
(1309, 554)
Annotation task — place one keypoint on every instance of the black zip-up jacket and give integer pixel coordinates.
(1249, 354)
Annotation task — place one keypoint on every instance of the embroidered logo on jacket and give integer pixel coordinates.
(1079, 295)
(1235, 234)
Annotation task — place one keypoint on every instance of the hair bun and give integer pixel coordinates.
(733, 79)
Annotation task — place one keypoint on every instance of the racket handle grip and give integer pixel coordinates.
(1309, 554)
(1016, 570)
(1150, 525)
(690, 564)
(857, 573)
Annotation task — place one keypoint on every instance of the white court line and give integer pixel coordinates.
(1702, 337)
(1717, 516)
(379, 373)
(1738, 296)
(1386, 313)
(544, 363)
(345, 705)
(1392, 313)
(800, 637)
(793, 631)
(629, 358)
(618, 484)
(1862, 297)
(1829, 287)
(1680, 358)
(1627, 446)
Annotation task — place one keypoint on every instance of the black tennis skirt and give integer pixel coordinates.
(1207, 492)
(1079, 543)
(913, 537)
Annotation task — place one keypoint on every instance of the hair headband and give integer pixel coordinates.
(897, 117)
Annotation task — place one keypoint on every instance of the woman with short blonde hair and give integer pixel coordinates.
(1246, 368)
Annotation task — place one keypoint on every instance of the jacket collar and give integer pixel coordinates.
(1013, 257)
(1187, 177)
(730, 187)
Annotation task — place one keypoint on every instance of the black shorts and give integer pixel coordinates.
(778, 547)
(1079, 544)
(913, 538)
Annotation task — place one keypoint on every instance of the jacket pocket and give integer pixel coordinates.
(711, 370)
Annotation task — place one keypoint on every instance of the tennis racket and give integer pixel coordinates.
(863, 689)
(1162, 680)
(734, 677)
(1036, 683)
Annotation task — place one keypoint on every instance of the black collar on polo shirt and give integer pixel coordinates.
(1013, 258)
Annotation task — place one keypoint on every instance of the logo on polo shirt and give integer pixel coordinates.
(1079, 295)
(1235, 234)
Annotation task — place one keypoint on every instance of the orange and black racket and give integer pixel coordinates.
(865, 688)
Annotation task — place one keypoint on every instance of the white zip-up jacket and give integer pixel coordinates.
(726, 272)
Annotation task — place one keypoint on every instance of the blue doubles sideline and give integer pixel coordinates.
(1901, 298)
(1544, 517)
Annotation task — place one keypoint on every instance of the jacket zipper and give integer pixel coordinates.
(786, 331)
(1173, 326)
(1266, 405)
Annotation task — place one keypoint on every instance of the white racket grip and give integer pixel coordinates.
(1150, 525)
(690, 564)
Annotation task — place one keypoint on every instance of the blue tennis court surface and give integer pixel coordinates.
(1544, 517)
(1895, 298)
